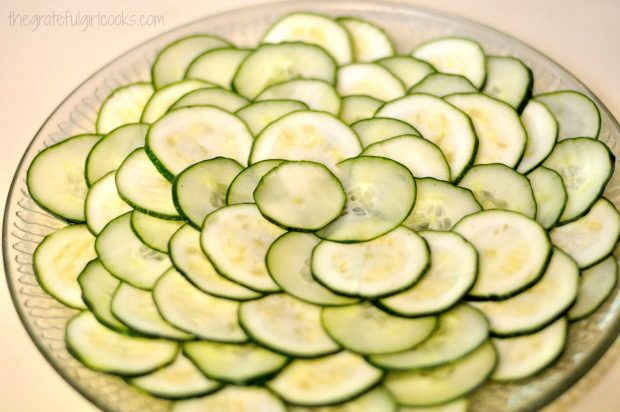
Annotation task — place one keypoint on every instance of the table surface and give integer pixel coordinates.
(40, 67)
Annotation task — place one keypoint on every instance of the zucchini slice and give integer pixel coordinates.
(460, 331)
(501, 135)
(509, 80)
(443, 383)
(164, 98)
(538, 306)
(585, 165)
(441, 123)
(236, 239)
(124, 105)
(458, 405)
(369, 79)
(286, 325)
(442, 84)
(382, 266)
(189, 135)
(56, 179)
(439, 205)
(260, 114)
(452, 272)
(103, 203)
(595, 286)
(316, 94)
(126, 257)
(592, 237)
(358, 107)
(365, 329)
(407, 69)
(288, 262)
(376, 400)
(454, 55)
(550, 195)
(313, 29)
(369, 41)
(180, 379)
(217, 66)
(300, 195)
(153, 231)
(201, 188)
(104, 350)
(325, 381)
(542, 133)
(196, 312)
(241, 189)
(513, 252)
(233, 399)
(524, 356)
(172, 62)
(234, 363)
(276, 63)
(212, 96)
(380, 194)
(379, 129)
(58, 261)
(576, 113)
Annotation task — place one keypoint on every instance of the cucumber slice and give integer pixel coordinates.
(180, 379)
(98, 287)
(201, 188)
(109, 152)
(513, 252)
(576, 113)
(455, 55)
(538, 306)
(236, 239)
(286, 325)
(124, 105)
(367, 330)
(104, 350)
(379, 267)
(153, 231)
(442, 84)
(325, 381)
(300, 195)
(58, 261)
(379, 129)
(439, 205)
(241, 190)
(305, 135)
(443, 383)
(144, 188)
(452, 272)
(288, 262)
(509, 80)
(357, 107)
(56, 179)
(380, 194)
(196, 312)
(585, 166)
(189, 135)
(164, 98)
(501, 135)
(369, 41)
(217, 66)
(420, 156)
(260, 114)
(369, 79)
(239, 364)
(172, 62)
(408, 70)
(126, 257)
(441, 123)
(276, 63)
(313, 29)
(458, 405)
(524, 356)
(233, 399)
(460, 331)
(550, 195)
(376, 400)
(591, 238)
(190, 260)
(316, 94)
(136, 309)
(595, 286)
(496, 186)
(212, 96)
(542, 132)
(103, 203)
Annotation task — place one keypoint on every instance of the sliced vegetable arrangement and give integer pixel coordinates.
(319, 224)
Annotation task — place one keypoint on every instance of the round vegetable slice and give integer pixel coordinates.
(211, 96)
(153, 231)
(442, 84)
(369, 79)
(409, 70)
(379, 129)
(161, 101)
(316, 94)
(595, 286)
(358, 107)
(577, 114)
(369, 41)
(103, 203)
(124, 105)
(509, 80)
(217, 66)
(241, 189)
(550, 195)
(233, 399)
(376, 400)
(259, 115)
(542, 133)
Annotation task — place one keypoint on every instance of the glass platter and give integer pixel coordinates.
(25, 223)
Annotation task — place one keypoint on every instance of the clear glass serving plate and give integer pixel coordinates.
(25, 224)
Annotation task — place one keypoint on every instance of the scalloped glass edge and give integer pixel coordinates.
(25, 223)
